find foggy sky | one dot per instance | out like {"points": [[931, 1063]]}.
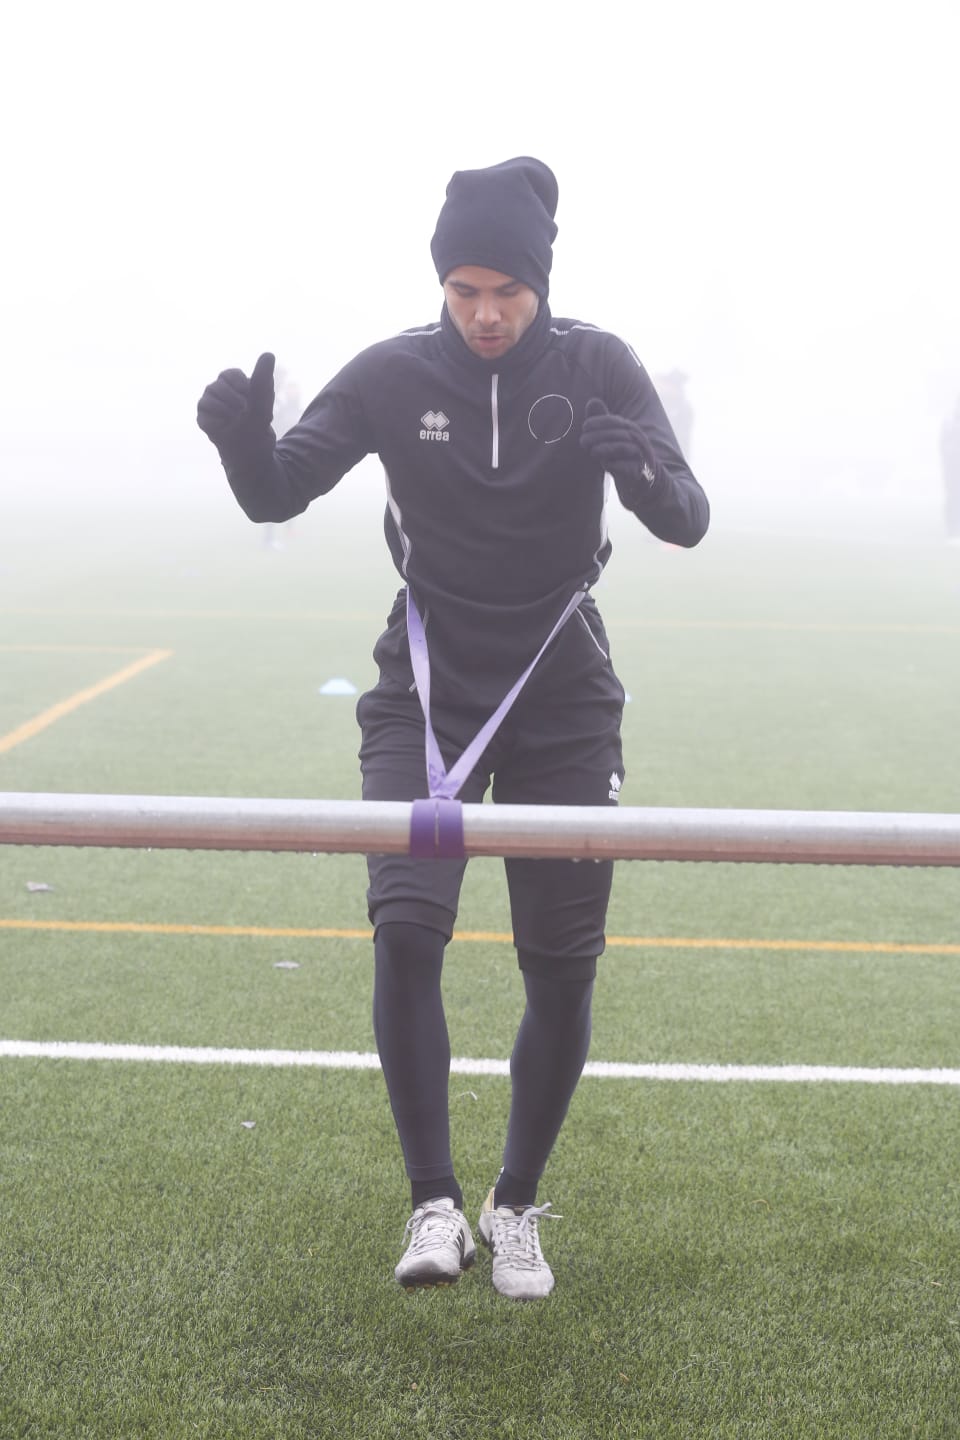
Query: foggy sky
{"points": [[763, 195]]}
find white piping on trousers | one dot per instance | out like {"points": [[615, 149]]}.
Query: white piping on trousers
{"points": [[583, 620]]}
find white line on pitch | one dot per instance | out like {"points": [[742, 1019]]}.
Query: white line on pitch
{"points": [[354, 1060]]}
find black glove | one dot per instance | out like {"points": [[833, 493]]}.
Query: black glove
{"points": [[622, 448], [235, 406]]}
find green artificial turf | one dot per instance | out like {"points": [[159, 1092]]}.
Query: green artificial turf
{"points": [[769, 1261], [773, 1260]]}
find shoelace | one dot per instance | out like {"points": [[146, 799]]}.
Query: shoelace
{"points": [[516, 1236], [425, 1224]]}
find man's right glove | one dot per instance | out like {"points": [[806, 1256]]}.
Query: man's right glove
{"points": [[234, 406]]}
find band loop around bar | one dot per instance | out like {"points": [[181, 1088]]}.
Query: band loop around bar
{"points": [[436, 830]]}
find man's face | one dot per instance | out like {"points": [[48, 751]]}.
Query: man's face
{"points": [[490, 309]]}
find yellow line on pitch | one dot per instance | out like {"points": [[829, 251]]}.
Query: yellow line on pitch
{"points": [[639, 942], [82, 697], [852, 627], [864, 947], [157, 614], [137, 927], [70, 649]]}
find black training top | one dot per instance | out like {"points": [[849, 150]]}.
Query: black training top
{"points": [[495, 513]]}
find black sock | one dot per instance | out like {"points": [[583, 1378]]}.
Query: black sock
{"points": [[423, 1190], [511, 1190], [414, 1049], [547, 1060]]}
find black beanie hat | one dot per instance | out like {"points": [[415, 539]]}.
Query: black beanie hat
{"points": [[501, 218]]}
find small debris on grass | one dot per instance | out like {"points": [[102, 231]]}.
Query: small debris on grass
{"points": [[286, 965], [36, 885], [248, 1124], [337, 685]]}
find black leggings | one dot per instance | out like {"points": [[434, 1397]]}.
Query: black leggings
{"points": [[414, 1047]]}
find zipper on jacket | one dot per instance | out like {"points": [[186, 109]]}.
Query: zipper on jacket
{"points": [[495, 455]]}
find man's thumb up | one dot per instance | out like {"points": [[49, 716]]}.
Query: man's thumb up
{"points": [[261, 395]]}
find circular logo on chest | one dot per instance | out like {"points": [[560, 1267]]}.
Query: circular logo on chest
{"points": [[550, 418]]}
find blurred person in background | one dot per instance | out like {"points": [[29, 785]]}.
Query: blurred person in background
{"points": [[950, 465], [286, 412], [499, 428], [672, 389]]}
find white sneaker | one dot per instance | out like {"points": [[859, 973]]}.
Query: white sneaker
{"points": [[519, 1269], [441, 1245]]}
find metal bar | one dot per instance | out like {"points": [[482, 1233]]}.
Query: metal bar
{"points": [[807, 837]]}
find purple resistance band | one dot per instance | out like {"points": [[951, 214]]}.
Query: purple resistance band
{"points": [[436, 825]]}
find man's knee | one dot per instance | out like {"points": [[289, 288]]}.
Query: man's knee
{"points": [[556, 968], [410, 913]]}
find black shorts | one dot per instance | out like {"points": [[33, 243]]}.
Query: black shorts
{"points": [[554, 748]]}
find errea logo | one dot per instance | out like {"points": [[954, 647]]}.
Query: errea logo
{"points": [[434, 424]]}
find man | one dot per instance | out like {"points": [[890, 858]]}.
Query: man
{"points": [[286, 413], [496, 427], [950, 465], [672, 389]]}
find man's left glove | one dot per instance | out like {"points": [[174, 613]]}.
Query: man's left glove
{"points": [[622, 448]]}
